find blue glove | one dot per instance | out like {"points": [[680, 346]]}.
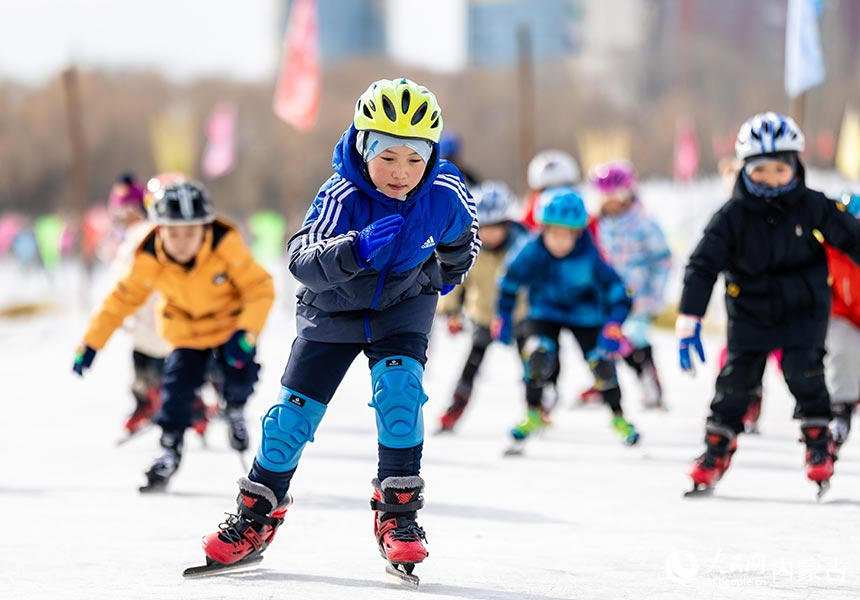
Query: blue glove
{"points": [[446, 289], [83, 359], [502, 329], [611, 343], [239, 349], [376, 236], [688, 330]]}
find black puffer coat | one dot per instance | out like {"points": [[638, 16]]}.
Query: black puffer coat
{"points": [[777, 282]]}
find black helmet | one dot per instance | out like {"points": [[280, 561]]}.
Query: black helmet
{"points": [[181, 203]]}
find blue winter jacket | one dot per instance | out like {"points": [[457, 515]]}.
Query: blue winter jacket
{"points": [[341, 301], [579, 290]]}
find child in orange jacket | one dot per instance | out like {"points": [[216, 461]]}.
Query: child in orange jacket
{"points": [[215, 299]]}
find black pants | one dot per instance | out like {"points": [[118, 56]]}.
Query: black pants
{"points": [[481, 340], [185, 370], [739, 379], [537, 376], [316, 369]]}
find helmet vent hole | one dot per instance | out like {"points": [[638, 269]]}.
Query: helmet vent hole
{"points": [[389, 110], [405, 100], [366, 111], [419, 114], [372, 104]]}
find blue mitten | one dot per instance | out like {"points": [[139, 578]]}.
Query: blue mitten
{"points": [[376, 236], [611, 343], [446, 289], [688, 330]]}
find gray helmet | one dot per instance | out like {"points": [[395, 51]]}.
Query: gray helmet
{"points": [[181, 203]]}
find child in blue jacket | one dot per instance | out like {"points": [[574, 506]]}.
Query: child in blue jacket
{"points": [[391, 229], [569, 287]]}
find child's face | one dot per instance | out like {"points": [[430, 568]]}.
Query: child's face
{"points": [[397, 171], [182, 242], [559, 241], [493, 236], [615, 204], [773, 173]]}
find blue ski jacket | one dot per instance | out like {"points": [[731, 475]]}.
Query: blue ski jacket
{"points": [[578, 290], [341, 301]]}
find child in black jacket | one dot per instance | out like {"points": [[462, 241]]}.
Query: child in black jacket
{"points": [[767, 240]]}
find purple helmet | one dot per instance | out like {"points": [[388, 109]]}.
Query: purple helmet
{"points": [[616, 177], [126, 193]]}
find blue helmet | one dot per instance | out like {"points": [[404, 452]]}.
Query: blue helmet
{"points": [[561, 206], [494, 203], [767, 133], [449, 144]]}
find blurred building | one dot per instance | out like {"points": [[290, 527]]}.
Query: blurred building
{"points": [[351, 28], [493, 25]]}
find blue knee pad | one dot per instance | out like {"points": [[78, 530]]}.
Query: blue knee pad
{"points": [[287, 428], [398, 396]]}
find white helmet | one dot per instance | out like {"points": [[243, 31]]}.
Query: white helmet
{"points": [[494, 203], [552, 168], [766, 133]]}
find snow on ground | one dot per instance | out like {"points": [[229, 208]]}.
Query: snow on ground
{"points": [[580, 516]]}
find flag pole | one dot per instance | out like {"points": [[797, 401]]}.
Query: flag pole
{"points": [[525, 89], [798, 109], [74, 123]]}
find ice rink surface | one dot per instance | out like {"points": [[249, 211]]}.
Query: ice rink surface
{"points": [[578, 516]]}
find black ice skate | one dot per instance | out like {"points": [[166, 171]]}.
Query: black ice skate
{"points": [[158, 475]]}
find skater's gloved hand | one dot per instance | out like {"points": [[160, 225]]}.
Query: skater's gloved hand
{"points": [[688, 330], [239, 349], [455, 324], [502, 329], [446, 289], [376, 236], [83, 359], [611, 343]]}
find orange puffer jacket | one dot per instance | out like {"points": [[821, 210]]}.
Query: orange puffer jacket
{"points": [[200, 307]]}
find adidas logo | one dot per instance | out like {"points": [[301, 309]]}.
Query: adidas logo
{"points": [[429, 243]]}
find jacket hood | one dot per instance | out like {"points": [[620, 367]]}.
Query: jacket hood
{"points": [[347, 163], [741, 194]]}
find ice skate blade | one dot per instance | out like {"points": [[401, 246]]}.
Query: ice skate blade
{"points": [[700, 491], [823, 486], [516, 448], [216, 568], [130, 435], [404, 574]]}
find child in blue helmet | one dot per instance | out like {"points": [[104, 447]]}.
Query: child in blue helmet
{"points": [[766, 240], [569, 287], [391, 229]]}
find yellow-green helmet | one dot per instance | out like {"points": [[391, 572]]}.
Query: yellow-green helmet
{"points": [[399, 107]]}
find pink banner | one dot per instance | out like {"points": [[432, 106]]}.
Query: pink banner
{"points": [[220, 154], [297, 96], [686, 152]]}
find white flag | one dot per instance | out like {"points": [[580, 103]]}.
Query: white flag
{"points": [[804, 63]]}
